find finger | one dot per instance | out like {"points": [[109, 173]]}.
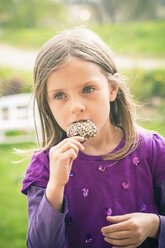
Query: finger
{"points": [[75, 140], [78, 138], [67, 146], [78, 144], [118, 242], [128, 246], [119, 223], [69, 156], [118, 218], [118, 235], [123, 226]]}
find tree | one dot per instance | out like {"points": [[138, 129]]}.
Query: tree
{"points": [[113, 8], [142, 10], [5, 11], [29, 13], [130, 10]]}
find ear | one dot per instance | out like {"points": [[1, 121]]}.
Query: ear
{"points": [[113, 87], [113, 90]]}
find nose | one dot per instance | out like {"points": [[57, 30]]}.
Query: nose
{"points": [[77, 107]]}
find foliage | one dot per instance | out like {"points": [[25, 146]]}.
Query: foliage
{"points": [[157, 126], [14, 81], [145, 85], [138, 9], [18, 133], [122, 10], [27, 38], [138, 39], [31, 13], [134, 38]]}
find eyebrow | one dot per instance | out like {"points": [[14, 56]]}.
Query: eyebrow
{"points": [[81, 85], [56, 90]]}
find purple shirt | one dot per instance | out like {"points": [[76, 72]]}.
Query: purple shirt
{"points": [[97, 188]]}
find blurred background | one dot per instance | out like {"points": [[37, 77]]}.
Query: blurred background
{"points": [[134, 30]]}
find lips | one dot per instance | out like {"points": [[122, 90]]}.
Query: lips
{"points": [[79, 121]]}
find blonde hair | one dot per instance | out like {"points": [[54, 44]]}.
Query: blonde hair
{"points": [[86, 45]]}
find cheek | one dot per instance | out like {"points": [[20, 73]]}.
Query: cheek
{"points": [[103, 110], [60, 117]]}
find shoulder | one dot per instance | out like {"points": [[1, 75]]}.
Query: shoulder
{"points": [[152, 150], [40, 157], [37, 172], [151, 141]]}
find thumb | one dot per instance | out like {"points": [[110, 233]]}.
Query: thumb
{"points": [[118, 218]]}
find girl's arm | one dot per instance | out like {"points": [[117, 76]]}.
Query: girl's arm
{"points": [[160, 199], [162, 232], [47, 207], [46, 225], [61, 158]]}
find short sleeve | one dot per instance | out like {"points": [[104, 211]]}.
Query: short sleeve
{"points": [[37, 172], [157, 159]]}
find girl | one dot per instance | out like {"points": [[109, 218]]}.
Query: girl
{"points": [[108, 191]]}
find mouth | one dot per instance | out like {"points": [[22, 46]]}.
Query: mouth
{"points": [[78, 121]]}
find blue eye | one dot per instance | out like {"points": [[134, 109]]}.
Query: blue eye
{"points": [[59, 95], [88, 89]]}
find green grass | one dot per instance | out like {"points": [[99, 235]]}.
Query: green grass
{"points": [[13, 207], [145, 84], [134, 38], [157, 126], [30, 38]]}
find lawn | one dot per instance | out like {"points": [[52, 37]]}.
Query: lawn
{"points": [[157, 126], [142, 39], [134, 38], [13, 207]]}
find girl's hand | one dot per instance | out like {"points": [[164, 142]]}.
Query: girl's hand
{"points": [[61, 158], [130, 230]]}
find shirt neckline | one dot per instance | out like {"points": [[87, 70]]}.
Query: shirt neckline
{"points": [[85, 156]]}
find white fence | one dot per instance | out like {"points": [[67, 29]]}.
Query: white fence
{"points": [[16, 113]]}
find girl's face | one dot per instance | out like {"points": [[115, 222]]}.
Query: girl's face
{"points": [[80, 91]]}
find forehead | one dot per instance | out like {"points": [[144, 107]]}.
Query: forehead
{"points": [[75, 70]]}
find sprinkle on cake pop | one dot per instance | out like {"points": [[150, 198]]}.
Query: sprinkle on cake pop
{"points": [[86, 129]]}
